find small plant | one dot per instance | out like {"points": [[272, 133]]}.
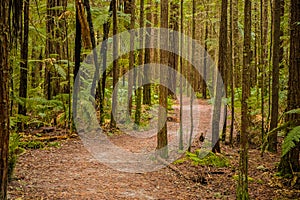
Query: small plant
{"points": [[293, 134], [14, 152], [32, 144], [53, 144]]}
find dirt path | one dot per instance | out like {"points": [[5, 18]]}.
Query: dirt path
{"points": [[70, 172]]}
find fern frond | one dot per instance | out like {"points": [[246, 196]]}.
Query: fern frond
{"points": [[60, 71], [291, 140], [274, 131], [294, 111]]}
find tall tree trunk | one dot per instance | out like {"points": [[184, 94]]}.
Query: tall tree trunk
{"points": [[4, 96], [162, 136], [173, 44], [141, 62], [263, 58], [192, 79], [131, 57], [232, 80], [181, 75], [93, 42], [272, 140], [77, 62], [242, 187], [148, 41], [290, 162], [204, 89], [103, 53], [222, 60], [236, 43], [24, 60], [115, 65], [50, 51]]}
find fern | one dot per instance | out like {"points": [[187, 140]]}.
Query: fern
{"points": [[291, 140], [295, 111]]}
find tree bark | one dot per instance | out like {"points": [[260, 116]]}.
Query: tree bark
{"points": [[4, 96], [221, 69], [131, 57], [290, 162], [181, 75], [115, 65], [272, 147], [173, 43], [141, 62], [24, 61], [147, 60], [162, 136], [263, 59], [242, 187]]}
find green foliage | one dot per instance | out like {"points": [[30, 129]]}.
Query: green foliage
{"points": [[14, 151], [32, 144], [291, 140], [295, 111], [292, 136], [210, 159], [53, 144]]}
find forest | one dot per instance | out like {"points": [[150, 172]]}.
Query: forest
{"points": [[149, 99]]}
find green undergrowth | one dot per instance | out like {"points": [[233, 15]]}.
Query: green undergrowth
{"points": [[200, 157], [33, 144], [15, 150]]}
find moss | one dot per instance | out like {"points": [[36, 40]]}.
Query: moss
{"points": [[208, 159], [32, 144]]}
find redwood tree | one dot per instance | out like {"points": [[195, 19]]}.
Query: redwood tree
{"points": [[290, 162], [275, 74], [4, 93], [242, 187], [24, 60]]}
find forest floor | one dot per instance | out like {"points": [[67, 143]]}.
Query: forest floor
{"points": [[69, 171]]}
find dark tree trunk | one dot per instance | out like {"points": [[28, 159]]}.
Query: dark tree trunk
{"points": [[290, 162], [223, 49], [115, 64], [4, 96], [77, 62], [263, 59], [103, 53], [192, 79], [138, 100], [204, 89], [242, 187], [95, 55], [272, 147], [50, 48], [131, 57], [221, 69], [24, 60], [148, 40], [174, 45]]}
